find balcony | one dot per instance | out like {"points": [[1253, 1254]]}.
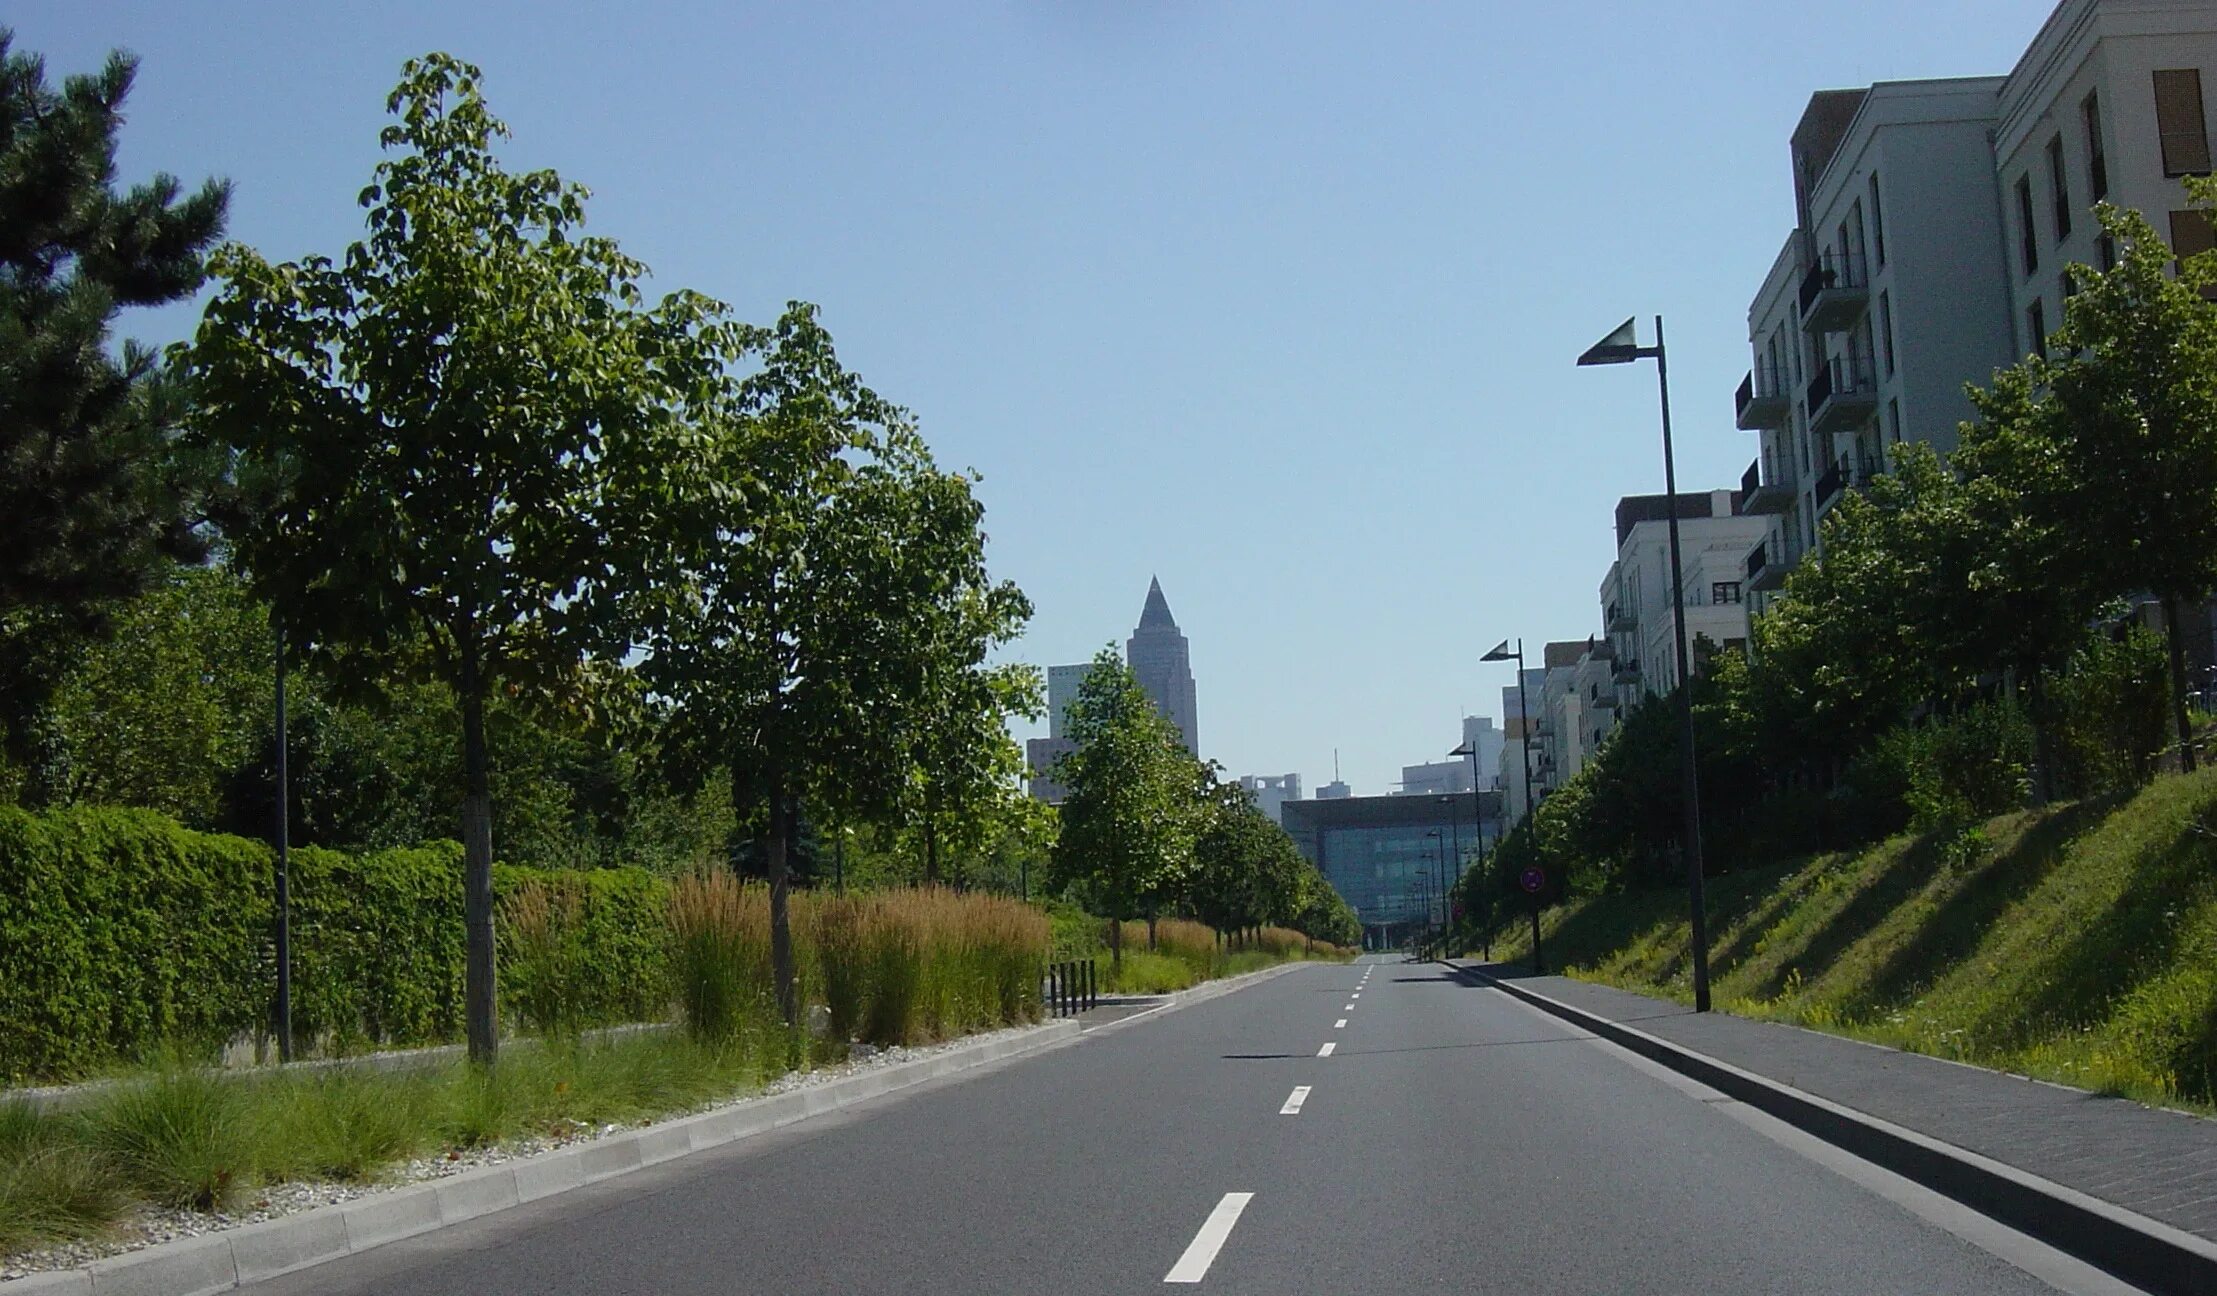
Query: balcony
{"points": [[1841, 398], [1829, 484], [1758, 497], [1627, 672], [1834, 294], [1762, 573], [1761, 401], [1620, 619]]}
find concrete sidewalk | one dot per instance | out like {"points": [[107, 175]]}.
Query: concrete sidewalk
{"points": [[2161, 1164]]}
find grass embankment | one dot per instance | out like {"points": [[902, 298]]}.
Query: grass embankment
{"points": [[1188, 953], [898, 967], [2076, 943]]}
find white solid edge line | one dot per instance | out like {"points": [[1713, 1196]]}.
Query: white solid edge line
{"points": [[1193, 1266], [1294, 1100], [1341, 1024], [1326, 1051]]}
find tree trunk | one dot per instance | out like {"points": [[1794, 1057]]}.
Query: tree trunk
{"points": [[2043, 739], [2177, 642], [931, 845], [782, 815], [1116, 944], [1150, 933], [478, 971]]}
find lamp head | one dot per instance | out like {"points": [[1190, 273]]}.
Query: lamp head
{"points": [[1500, 652], [1622, 346]]}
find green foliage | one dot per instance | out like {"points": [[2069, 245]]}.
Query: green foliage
{"points": [[2110, 706], [96, 496], [1961, 769], [181, 1138], [52, 1188], [1131, 814], [121, 933]]}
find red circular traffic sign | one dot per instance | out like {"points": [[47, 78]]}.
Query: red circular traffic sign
{"points": [[1532, 880]]}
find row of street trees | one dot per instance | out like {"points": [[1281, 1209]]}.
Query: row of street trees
{"points": [[469, 454], [1960, 644], [1148, 831]]}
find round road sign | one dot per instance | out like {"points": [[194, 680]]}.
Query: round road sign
{"points": [[1532, 880]]}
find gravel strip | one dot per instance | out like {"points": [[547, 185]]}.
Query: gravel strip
{"points": [[150, 1225]]}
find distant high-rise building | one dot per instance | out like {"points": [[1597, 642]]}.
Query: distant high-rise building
{"points": [[1272, 792], [1334, 791], [1158, 656], [1040, 754], [1063, 683]]}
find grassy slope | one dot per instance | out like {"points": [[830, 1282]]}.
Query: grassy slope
{"points": [[2077, 944]]}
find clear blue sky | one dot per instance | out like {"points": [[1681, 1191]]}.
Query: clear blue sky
{"points": [[1276, 301]]}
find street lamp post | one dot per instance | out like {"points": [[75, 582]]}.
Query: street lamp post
{"points": [[1622, 347], [1501, 652], [1469, 748]]}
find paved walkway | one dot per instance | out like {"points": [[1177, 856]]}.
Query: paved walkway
{"points": [[2162, 1164]]}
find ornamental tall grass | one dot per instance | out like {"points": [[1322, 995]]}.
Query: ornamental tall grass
{"points": [[720, 956], [891, 967]]}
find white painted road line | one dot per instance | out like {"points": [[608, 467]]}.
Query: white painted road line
{"points": [[1341, 1024], [1193, 1266], [1326, 1051], [1293, 1101], [1348, 1008]]}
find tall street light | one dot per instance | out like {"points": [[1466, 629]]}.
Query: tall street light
{"points": [[1622, 347], [1524, 711], [1469, 748]]}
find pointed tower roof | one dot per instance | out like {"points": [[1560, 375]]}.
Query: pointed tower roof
{"points": [[1156, 615]]}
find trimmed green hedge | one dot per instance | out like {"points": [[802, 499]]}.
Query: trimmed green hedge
{"points": [[122, 933]]}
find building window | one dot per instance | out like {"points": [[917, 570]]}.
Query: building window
{"points": [[2027, 239], [2036, 319], [2179, 122], [2190, 234], [2061, 184], [2097, 157], [1878, 224], [1886, 332], [1893, 421], [1724, 592], [2108, 253]]}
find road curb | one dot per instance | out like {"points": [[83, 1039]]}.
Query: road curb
{"points": [[2142, 1251], [230, 1258], [1204, 992]]}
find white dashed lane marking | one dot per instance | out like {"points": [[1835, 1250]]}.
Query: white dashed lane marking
{"points": [[1299, 1095], [1193, 1266]]}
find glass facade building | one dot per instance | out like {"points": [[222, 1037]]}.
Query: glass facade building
{"points": [[1391, 856]]}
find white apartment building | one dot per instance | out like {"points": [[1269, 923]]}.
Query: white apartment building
{"points": [[1561, 709], [1933, 219], [2105, 105], [1714, 541]]}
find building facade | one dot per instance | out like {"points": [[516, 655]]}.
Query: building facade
{"points": [[1395, 859], [1159, 657], [1933, 223], [1714, 540], [1063, 683], [1271, 792]]}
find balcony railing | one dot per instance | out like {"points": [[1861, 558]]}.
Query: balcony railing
{"points": [[1840, 397], [1627, 672], [1761, 401], [1828, 485], [1758, 497], [1757, 559], [1619, 618], [1833, 293]]}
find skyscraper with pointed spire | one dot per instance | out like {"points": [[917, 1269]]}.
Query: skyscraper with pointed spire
{"points": [[1157, 654]]}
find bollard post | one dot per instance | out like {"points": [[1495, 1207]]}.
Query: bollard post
{"points": [[1092, 985], [1061, 985]]}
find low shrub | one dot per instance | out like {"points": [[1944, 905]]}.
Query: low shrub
{"points": [[180, 1137], [52, 1188]]}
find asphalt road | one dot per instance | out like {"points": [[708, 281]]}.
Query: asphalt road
{"points": [[1452, 1140]]}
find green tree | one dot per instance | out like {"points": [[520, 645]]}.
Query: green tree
{"points": [[458, 432], [97, 496], [1128, 816], [797, 648], [2134, 376]]}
